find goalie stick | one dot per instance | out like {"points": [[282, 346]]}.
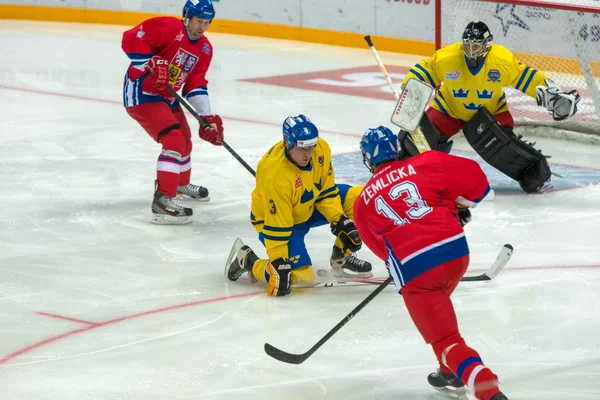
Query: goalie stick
{"points": [[416, 134], [202, 122], [290, 358]]}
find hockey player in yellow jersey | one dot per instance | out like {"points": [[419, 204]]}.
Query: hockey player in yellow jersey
{"points": [[470, 77], [295, 191]]}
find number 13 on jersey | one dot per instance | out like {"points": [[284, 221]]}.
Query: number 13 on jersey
{"points": [[416, 207]]}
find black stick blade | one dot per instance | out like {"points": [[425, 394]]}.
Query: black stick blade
{"points": [[283, 356]]}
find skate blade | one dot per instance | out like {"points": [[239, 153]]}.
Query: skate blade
{"points": [[162, 219], [341, 273], [198, 199], [237, 246], [454, 393]]}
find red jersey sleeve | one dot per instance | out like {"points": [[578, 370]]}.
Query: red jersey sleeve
{"points": [[466, 181], [141, 42]]}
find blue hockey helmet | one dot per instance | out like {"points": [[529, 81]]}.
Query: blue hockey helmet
{"points": [[299, 131], [199, 8], [379, 145]]}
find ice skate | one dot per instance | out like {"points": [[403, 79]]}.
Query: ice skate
{"points": [[240, 260], [166, 212], [194, 192], [448, 384], [340, 263]]}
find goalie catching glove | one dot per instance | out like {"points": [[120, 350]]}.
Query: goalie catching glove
{"points": [[559, 103], [280, 277], [346, 231]]}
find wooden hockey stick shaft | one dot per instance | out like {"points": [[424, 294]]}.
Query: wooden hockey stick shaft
{"points": [[202, 122]]}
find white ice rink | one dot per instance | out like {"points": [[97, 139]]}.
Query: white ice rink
{"points": [[98, 304]]}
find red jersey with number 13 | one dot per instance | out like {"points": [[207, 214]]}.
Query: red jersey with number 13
{"points": [[406, 214]]}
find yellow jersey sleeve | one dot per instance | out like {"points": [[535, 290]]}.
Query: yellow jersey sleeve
{"points": [[425, 71], [522, 77], [329, 202], [279, 220]]}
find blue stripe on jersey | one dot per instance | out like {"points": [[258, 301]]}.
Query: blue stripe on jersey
{"points": [[277, 238], [279, 228], [258, 222], [418, 263], [479, 199], [465, 364], [529, 80], [501, 106], [412, 70], [199, 91], [431, 81], [326, 191], [439, 104], [320, 199], [139, 56], [525, 71]]}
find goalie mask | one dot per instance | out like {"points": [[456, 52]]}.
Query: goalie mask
{"points": [[379, 145], [476, 43]]}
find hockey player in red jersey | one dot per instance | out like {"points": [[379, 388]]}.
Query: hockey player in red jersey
{"points": [[411, 214], [167, 51]]}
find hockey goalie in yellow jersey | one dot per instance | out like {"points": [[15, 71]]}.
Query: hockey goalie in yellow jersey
{"points": [[296, 191], [470, 77]]}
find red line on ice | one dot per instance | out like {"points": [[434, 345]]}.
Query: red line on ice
{"points": [[69, 334]]}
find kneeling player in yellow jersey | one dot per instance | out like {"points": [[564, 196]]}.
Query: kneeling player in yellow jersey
{"points": [[295, 191], [470, 77]]}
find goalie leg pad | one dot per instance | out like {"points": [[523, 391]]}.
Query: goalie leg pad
{"points": [[500, 148]]}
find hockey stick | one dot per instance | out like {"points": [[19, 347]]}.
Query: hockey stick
{"points": [[417, 135], [300, 358], [290, 358], [202, 122], [501, 260]]}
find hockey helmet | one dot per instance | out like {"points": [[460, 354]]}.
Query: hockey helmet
{"points": [[299, 131], [379, 145], [199, 8], [476, 42]]}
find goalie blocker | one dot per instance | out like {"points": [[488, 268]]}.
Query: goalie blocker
{"points": [[500, 148]]}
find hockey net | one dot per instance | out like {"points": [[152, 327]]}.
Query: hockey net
{"points": [[559, 38]]}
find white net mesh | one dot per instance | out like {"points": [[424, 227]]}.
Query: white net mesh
{"points": [[560, 38]]}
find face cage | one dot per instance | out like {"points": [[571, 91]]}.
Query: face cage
{"points": [[474, 48]]}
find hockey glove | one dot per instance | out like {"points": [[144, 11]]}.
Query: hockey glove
{"points": [[346, 231], [280, 276], [560, 104], [464, 215], [213, 133], [158, 78]]}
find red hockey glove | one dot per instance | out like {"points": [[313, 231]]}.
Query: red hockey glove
{"points": [[213, 133], [159, 73]]}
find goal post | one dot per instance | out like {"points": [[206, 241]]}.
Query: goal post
{"points": [[558, 37]]}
